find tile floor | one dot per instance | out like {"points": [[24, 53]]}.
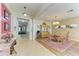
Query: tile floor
{"points": [[26, 47]]}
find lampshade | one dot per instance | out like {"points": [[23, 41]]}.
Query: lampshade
{"points": [[56, 23], [25, 14]]}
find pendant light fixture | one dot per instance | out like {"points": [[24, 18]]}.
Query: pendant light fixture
{"points": [[24, 13], [71, 10]]}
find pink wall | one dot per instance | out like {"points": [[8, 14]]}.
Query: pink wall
{"points": [[3, 20]]}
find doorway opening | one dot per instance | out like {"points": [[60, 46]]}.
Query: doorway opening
{"points": [[23, 30]]}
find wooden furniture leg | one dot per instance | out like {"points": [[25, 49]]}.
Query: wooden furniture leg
{"points": [[12, 47]]}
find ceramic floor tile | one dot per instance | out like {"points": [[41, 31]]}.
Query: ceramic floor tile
{"points": [[26, 47]]}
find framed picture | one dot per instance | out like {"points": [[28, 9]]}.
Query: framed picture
{"points": [[6, 14], [6, 26]]}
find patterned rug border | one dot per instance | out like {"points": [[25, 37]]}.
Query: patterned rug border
{"points": [[56, 52]]}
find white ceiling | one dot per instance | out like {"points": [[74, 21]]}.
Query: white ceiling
{"points": [[60, 10], [31, 10], [47, 11]]}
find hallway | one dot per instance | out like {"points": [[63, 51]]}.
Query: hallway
{"points": [[55, 24], [27, 47]]}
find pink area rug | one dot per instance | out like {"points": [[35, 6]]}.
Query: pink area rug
{"points": [[61, 47]]}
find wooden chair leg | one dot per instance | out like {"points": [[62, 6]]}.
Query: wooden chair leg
{"points": [[12, 50], [15, 51]]}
